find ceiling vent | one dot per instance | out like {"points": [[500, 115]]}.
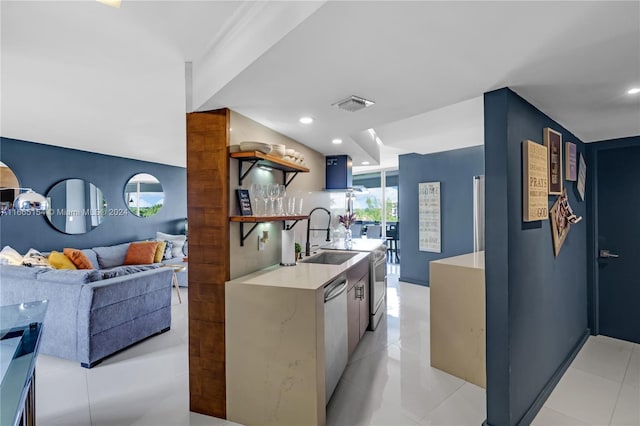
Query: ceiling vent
{"points": [[353, 103]]}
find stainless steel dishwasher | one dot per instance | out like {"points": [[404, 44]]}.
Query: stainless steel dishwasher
{"points": [[336, 343]]}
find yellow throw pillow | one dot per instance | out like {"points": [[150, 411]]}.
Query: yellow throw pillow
{"points": [[60, 261], [159, 252]]}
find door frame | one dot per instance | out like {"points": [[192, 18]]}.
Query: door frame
{"points": [[591, 195]]}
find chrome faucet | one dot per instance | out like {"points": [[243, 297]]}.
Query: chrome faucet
{"points": [[307, 250]]}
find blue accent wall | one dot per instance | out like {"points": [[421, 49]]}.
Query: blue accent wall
{"points": [[40, 166], [536, 303], [454, 170]]}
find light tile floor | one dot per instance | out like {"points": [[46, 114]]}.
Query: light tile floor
{"points": [[388, 380]]}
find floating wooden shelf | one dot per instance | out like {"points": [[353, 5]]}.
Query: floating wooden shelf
{"points": [[259, 158], [261, 219]]}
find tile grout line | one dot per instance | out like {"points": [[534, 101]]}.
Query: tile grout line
{"points": [[86, 382], [626, 371]]}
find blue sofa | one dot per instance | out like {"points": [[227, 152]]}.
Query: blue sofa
{"points": [[92, 315]]}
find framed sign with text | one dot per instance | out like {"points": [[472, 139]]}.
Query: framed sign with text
{"points": [[571, 164], [244, 202], [553, 142], [429, 217], [535, 185]]}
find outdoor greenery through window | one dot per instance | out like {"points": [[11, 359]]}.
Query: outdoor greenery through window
{"points": [[368, 203]]}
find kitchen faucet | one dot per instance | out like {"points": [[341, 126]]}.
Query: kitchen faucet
{"points": [[307, 250]]}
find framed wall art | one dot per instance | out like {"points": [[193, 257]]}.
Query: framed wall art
{"points": [[559, 222], [553, 142], [535, 182], [571, 163], [582, 177], [429, 217]]}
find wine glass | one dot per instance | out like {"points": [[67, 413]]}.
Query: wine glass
{"points": [[282, 192], [273, 191], [256, 194]]}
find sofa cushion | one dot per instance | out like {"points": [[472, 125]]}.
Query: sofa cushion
{"points": [[120, 271], [141, 253], [82, 276], [111, 256], [162, 245], [9, 256], [60, 261], [19, 272], [93, 258], [176, 240], [167, 250], [79, 259]]}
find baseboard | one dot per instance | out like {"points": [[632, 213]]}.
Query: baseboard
{"points": [[413, 281], [533, 410]]}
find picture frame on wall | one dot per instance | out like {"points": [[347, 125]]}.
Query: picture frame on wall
{"points": [[535, 182], [553, 142], [244, 202], [558, 215], [571, 163], [582, 177]]}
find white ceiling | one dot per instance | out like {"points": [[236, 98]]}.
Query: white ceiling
{"points": [[112, 80]]}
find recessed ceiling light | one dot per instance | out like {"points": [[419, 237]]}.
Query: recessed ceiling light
{"points": [[306, 120], [365, 163], [337, 141], [112, 3], [634, 91]]}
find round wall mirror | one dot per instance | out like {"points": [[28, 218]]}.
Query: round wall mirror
{"points": [[144, 195], [76, 206], [9, 181]]}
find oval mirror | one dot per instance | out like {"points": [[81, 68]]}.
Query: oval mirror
{"points": [[76, 206], [144, 195], [9, 188]]}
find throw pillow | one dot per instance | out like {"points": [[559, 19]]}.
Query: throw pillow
{"points": [[9, 256], [60, 261], [78, 258], [167, 250], [35, 258], [111, 256], [176, 240], [141, 253], [159, 252]]}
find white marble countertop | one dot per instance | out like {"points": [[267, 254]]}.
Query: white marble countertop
{"points": [[470, 260], [359, 244], [304, 276]]}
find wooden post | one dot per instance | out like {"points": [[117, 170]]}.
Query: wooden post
{"points": [[208, 215]]}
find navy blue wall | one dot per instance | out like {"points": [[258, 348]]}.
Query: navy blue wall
{"points": [[536, 302], [454, 170], [631, 203], [41, 166]]}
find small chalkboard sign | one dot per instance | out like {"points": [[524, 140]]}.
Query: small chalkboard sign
{"points": [[244, 202]]}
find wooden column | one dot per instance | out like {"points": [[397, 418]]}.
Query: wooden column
{"points": [[208, 214]]}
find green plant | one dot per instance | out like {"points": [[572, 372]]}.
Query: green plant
{"points": [[298, 248]]}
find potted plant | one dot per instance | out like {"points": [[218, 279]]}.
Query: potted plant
{"points": [[298, 251]]}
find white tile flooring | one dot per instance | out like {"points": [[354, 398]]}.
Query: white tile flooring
{"points": [[387, 382]]}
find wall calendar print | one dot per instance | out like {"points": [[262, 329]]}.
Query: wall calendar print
{"points": [[553, 142], [429, 217]]}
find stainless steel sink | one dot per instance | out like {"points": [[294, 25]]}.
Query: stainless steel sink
{"points": [[329, 258]]}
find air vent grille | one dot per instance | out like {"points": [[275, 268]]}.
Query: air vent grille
{"points": [[353, 103]]}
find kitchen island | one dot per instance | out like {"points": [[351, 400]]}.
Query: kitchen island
{"points": [[457, 306], [275, 343]]}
